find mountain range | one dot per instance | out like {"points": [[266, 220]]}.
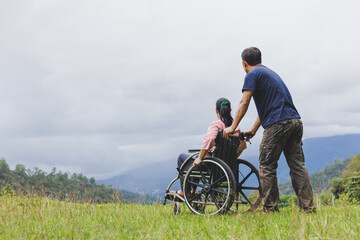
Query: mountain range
{"points": [[153, 179]]}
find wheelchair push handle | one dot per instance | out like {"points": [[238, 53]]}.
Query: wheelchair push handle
{"points": [[243, 136], [246, 137]]}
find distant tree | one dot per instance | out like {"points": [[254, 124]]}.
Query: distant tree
{"points": [[349, 183], [352, 187], [352, 167], [55, 184], [20, 169], [337, 187], [4, 167], [60, 186], [4, 172], [92, 181]]}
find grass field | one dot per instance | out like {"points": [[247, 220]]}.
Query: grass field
{"points": [[40, 218]]}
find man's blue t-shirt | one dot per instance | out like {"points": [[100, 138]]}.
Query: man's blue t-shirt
{"points": [[272, 98]]}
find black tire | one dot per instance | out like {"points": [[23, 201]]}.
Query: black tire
{"points": [[248, 184], [214, 185]]}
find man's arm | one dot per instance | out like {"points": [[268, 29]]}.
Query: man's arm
{"points": [[254, 128], [242, 108]]}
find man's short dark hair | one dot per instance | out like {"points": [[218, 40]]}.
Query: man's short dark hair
{"points": [[252, 56]]}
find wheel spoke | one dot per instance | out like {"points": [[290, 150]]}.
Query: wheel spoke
{"points": [[214, 199], [245, 178], [219, 191], [218, 180], [246, 198], [249, 188], [241, 173], [202, 175], [206, 198], [196, 184], [211, 173], [195, 196]]}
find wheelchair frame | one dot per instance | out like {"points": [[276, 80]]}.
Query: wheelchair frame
{"points": [[221, 186]]}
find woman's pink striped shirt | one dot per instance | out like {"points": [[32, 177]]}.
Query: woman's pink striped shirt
{"points": [[212, 132]]}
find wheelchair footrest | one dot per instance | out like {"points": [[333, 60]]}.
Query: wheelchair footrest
{"points": [[174, 197]]}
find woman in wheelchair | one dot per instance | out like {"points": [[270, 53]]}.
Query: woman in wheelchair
{"points": [[223, 113]]}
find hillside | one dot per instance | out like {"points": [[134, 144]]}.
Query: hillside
{"points": [[320, 180], [61, 186], [318, 152], [321, 151]]}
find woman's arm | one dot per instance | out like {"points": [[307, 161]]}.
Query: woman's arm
{"points": [[201, 156], [210, 136]]}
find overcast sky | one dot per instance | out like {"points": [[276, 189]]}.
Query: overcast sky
{"points": [[101, 87]]}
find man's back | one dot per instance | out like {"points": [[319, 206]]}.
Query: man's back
{"points": [[272, 97], [283, 131]]}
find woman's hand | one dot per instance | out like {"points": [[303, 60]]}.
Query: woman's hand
{"points": [[197, 162]]}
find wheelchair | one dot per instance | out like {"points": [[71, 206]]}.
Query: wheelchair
{"points": [[219, 182]]}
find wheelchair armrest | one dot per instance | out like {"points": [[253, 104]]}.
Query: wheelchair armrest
{"points": [[194, 150], [210, 153]]}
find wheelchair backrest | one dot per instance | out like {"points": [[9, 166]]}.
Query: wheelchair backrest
{"points": [[226, 149]]}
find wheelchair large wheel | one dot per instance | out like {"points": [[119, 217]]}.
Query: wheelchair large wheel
{"points": [[210, 187], [248, 185]]}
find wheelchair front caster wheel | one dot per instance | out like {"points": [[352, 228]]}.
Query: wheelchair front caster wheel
{"points": [[176, 208]]}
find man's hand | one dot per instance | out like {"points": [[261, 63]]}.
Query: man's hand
{"points": [[249, 134], [197, 162], [228, 131]]}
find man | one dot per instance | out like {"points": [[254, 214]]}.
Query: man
{"points": [[283, 131]]}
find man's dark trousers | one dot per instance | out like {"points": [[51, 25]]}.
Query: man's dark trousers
{"points": [[284, 136]]}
